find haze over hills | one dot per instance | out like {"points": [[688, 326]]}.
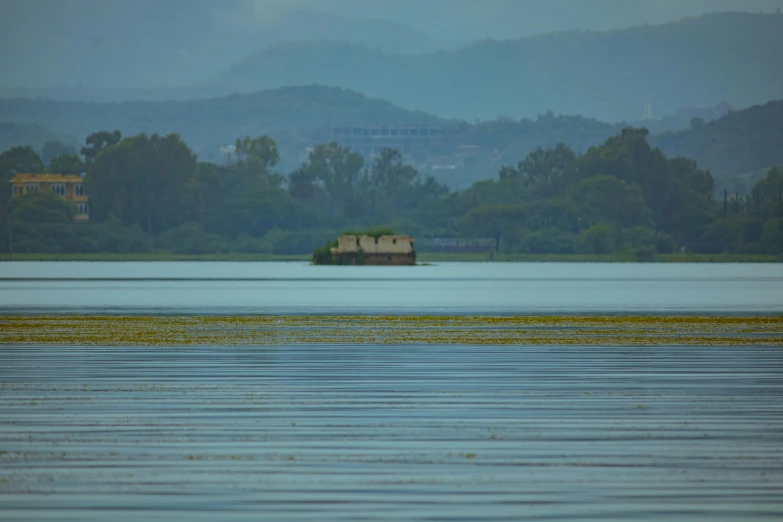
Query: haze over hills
{"points": [[35, 136], [610, 76], [296, 118], [469, 20], [607, 75], [100, 45], [152, 44]]}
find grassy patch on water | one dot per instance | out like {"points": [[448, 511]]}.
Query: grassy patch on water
{"points": [[288, 330]]}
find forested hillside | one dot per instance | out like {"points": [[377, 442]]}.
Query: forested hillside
{"points": [[605, 75], [151, 193], [738, 149]]}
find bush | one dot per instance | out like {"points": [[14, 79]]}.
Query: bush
{"points": [[77, 238], [598, 239], [639, 237], [664, 244], [188, 239], [644, 254], [549, 241], [251, 245], [771, 236], [112, 236]]}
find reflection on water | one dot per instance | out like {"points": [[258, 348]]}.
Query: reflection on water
{"points": [[391, 433], [449, 288]]}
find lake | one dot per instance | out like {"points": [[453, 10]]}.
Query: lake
{"points": [[447, 288], [364, 431]]}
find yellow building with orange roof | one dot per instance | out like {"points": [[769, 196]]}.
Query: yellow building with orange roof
{"points": [[69, 186]]}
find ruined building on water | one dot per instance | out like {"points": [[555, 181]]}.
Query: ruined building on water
{"points": [[368, 250]]}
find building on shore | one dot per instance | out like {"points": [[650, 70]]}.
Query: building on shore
{"points": [[366, 139], [70, 187], [369, 250]]}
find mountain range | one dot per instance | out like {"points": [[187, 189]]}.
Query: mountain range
{"points": [[606, 75], [609, 75]]}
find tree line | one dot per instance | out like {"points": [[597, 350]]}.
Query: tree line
{"points": [[151, 193]]}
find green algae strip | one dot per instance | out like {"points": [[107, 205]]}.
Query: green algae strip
{"points": [[284, 330]]}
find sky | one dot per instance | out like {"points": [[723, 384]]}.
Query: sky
{"points": [[503, 19]]}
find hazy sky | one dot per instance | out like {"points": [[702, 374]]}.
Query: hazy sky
{"points": [[471, 19]]}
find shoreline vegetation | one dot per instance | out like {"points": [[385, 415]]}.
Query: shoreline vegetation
{"points": [[621, 201], [423, 258], [287, 330]]}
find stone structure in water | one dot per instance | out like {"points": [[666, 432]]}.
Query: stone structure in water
{"points": [[352, 249]]}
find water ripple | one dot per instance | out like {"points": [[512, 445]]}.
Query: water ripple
{"points": [[391, 432]]}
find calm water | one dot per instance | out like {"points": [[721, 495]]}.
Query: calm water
{"points": [[475, 288], [366, 432]]}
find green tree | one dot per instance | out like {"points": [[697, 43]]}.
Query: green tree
{"points": [[541, 166], [17, 160], [42, 207], [560, 213], [493, 221], [30, 220], [688, 172], [67, 164], [97, 141], [336, 170], [142, 179], [390, 182], [769, 191], [613, 200], [257, 156]]}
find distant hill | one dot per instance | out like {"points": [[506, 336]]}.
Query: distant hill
{"points": [[295, 117], [737, 149], [299, 117], [606, 75], [35, 136]]}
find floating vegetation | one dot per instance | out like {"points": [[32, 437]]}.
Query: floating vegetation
{"points": [[284, 330]]}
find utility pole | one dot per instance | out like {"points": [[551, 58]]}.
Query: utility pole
{"points": [[725, 202]]}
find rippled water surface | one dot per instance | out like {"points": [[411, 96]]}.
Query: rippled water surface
{"points": [[475, 288], [392, 433], [343, 431]]}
